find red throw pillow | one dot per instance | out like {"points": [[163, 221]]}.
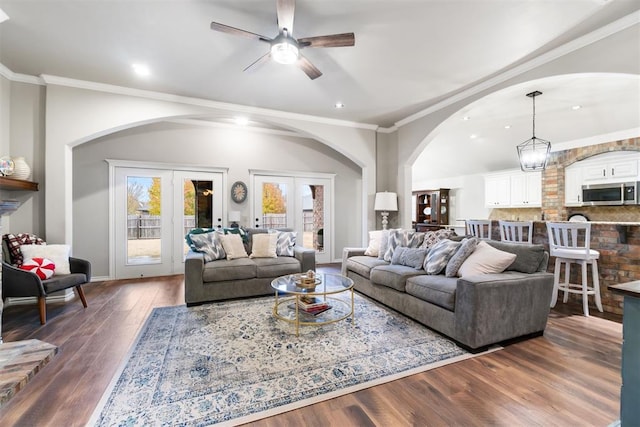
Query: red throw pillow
{"points": [[42, 267]]}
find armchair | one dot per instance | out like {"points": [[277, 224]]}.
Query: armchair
{"points": [[21, 283]]}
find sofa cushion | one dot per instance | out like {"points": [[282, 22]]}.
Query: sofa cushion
{"points": [[485, 260], [528, 257], [58, 283], [439, 290], [439, 255], [363, 265], [276, 267], [411, 257], [223, 270], [393, 276]]}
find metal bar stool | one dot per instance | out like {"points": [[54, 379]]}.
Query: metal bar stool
{"points": [[480, 228], [516, 231], [569, 243]]}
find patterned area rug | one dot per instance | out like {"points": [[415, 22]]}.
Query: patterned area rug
{"points": [[232, 362]]}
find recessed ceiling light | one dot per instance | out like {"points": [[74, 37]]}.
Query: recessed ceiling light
{"points": [[141, 70], [473, 136], [465, 118], [507, 126], [3, 16], [241, 121], [576, 107], [338, 105]]}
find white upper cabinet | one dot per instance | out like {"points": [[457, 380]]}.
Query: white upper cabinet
{"points": [[526, 189], [573, 185], [497, 190], [611, 170]]}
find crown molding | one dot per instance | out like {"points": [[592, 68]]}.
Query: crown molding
{"points": [[236, 108], [391, 129], [586, 40], [21, 78]]}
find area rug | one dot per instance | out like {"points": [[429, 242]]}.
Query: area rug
{"points": [[232, 362]]}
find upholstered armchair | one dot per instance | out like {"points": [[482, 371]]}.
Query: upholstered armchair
{"points": [[17, 282]]}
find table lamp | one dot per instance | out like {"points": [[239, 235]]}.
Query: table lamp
{"points": [[234, 217], [384, 203]]}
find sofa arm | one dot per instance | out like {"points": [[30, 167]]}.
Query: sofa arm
{"points": [[346, 254], [307, 258], [491, 308], [20, 283], [77, 265], [193, 282]]}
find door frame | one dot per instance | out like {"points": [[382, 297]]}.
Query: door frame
{"points": [[330, 201], [134, 164]]}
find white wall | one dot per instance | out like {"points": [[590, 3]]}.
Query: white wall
{"points": [[236, 149]]}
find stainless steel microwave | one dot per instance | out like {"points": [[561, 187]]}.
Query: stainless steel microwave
{"points": [[625, 193]]}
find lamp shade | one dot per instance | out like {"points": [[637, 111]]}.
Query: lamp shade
{"points": [[386, 201], [234, 216]]}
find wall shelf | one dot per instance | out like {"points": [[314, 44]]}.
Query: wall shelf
{"points": [[17, 184]]}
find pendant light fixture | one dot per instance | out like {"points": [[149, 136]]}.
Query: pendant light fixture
{"points": [[534, 153]]}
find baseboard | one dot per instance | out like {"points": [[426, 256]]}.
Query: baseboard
{"points": [[62, 296]]}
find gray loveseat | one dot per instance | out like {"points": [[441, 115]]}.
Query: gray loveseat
{"points": [[242, 277], [475, 311]]}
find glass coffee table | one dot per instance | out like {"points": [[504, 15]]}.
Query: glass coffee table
{"points": [[330, 301]]}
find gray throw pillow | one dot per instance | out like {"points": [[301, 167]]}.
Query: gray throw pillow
{"points": [[410, 257], [433, 237], [384, 243], [466, 248], [439, 255], [210, 244], [286, 242], [402, 238]]}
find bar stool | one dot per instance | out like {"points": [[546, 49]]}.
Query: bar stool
{"points": [[516, 231], [480, 228], [569, 243]]}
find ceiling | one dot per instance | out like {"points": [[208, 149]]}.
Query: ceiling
{"points": [[408, 55]]}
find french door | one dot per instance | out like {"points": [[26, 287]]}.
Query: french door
{"points": [[299, 202], [153, 209]]}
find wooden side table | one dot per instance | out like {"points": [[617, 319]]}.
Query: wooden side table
{"points": [[630, 392]]}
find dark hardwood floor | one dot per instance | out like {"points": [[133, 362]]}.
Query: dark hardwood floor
{"points": [[568, 377]]}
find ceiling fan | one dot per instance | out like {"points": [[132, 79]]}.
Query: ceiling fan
{"points": [[284, 48]]}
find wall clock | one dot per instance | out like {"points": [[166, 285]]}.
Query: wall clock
{"points": [[239, 192]]}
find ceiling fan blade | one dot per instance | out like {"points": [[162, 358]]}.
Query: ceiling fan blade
{"points": [[258, 62], [285, 10], [334, 40], [238, 32], [309, 69]]}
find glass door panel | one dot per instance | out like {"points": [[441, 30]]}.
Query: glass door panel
{"points": [[273, 202]]}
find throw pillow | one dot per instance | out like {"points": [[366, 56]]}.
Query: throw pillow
{"points": [[402, 238], [484, 260], [41, 267], [58, 254], [410, 257], [374, 243], [384, 243], [264, 246], [439, 255], [286, 242], [210, 244], [232, 244], [466, 249], [14, 241], [195, 231], [433, 237]]}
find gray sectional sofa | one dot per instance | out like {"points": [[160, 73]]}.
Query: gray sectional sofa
{"points": [[242, 277], [475, 311]]}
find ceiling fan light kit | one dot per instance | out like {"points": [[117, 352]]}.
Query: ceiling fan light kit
{"points": [[284, 48], [534, 152]]}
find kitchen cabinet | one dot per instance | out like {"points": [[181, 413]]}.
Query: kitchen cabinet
{"points": [[497, 190], [573, 185], [432, 208], [526, 189], [612, 170]]}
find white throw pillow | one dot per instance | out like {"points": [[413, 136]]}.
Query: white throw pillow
{"points": [[486, 259], [58, 254], [233, 247], [374, 243], [264, 245]]}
